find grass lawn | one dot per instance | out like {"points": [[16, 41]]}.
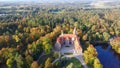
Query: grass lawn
{"points": [[65, 62], [68, 53]]}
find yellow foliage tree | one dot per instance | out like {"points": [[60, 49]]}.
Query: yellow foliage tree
{"points": [[85, 37], [48, 63], [34, 64]]}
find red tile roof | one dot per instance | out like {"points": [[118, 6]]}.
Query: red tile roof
{"points": [[70, 36]]}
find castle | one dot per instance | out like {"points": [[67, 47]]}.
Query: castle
{"points": [[67, 40]]}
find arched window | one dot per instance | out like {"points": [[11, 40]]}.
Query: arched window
{"points": [[67, 41]]}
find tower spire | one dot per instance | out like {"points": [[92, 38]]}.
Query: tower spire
{"points": [[62, 32], [75, 31]]}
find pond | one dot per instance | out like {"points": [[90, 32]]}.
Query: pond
{"points": [[107, 56]]}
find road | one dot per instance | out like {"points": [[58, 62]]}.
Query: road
{"points": [[78, 56]]}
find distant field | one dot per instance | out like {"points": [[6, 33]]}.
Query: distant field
{"points": [[5, 7]]}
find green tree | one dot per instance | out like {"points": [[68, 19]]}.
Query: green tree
{"points": [[19, 60], [17, 39], [11, 63], [29, 60], [70, 65], [47, 46], [48, 63], [56, 54], [106, 36]]}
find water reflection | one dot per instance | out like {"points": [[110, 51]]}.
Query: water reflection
{"points": [[108, 57]]}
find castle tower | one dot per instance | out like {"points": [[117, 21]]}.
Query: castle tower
{"points": [[62, 32], [75, 31]]}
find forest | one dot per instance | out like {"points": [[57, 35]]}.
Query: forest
{"points": [[27, 32]]}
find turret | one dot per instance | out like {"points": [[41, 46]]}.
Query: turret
{"points": [[75, 31], [62, 32]]}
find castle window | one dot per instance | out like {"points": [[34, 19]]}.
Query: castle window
{"points": [[63, 42], [70, 42]]}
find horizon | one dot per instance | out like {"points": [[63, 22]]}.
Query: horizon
{"points": [[61, 1], [93, 3]]}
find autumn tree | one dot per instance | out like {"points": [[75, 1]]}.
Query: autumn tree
{"points": [[15, 60], [90, 56], [97, 64], [47, 46], [106, 36], [11, 63], [19, 60], [48, 63], [85, 37], [35, 65], [29, 60]]}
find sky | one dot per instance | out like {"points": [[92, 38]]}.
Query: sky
{"points": [[63, 1]]}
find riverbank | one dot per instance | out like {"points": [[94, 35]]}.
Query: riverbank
{"points": [[90, 57], [99, 43], [107, 56], [115, 43]]}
